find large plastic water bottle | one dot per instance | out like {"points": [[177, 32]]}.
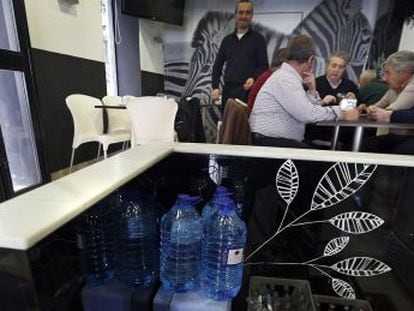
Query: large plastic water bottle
{"points": [[237, 187], [137, 242], [95, 234], [222, 252], [156, 206], [181, 232], [211, 207]]}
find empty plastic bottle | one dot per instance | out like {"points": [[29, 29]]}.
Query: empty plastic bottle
{"points": [[137, 242], [181, 232], [95, 234], [222, 252]]}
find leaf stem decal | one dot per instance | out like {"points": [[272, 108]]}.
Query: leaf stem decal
{"points": [[338, 183], [356, 222], [361, 266]]}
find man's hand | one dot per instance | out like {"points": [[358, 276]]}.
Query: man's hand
{"points": [[215, 94], [379, 114], [350, 95], [350, 114], [329, 100], [362, 108], [309, 81], [248, 84]]}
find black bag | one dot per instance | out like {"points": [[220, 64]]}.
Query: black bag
{"points": [[188, 122]]}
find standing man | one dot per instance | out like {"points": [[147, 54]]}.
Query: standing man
{"points": [[245, 55]]}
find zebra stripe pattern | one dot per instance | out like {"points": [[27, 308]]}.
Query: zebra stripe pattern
{"points": [[339, 25]]}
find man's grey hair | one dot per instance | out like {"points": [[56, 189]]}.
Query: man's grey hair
{"points": [[401, 60], [339, 54]]}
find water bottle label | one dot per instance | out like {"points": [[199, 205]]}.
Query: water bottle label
{"points": [[232, 256]]}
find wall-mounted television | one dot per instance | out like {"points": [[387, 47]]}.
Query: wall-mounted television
{"points": [[168, 11]]}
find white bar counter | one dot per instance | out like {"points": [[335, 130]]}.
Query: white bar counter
{"points": [[28, 218]]}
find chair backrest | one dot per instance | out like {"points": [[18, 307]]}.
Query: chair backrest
{"points": [[152, 119], [87, 120], [235, 128], [118, 119]]}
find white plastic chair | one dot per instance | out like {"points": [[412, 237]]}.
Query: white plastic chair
{"points": [[118, 119], [152, 119], [88, 124]]}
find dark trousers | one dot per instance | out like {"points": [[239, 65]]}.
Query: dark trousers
{"points": [[261, 140], [390, 143], [233, 90]]}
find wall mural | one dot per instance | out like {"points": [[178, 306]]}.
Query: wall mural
{"points": [[333, 24]]}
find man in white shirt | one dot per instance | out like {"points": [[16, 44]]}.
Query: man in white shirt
{"points": [[283, 107]]}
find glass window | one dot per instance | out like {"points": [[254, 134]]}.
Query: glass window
{"points": [[16, 127], [108, 28], [8, 32]]}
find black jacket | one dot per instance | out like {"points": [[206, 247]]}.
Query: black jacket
{"points": [[245, 58]]}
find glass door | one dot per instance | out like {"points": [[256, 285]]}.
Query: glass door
{"points": [[19, 157]]}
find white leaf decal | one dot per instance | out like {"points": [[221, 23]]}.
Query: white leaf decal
{"points": [[287, 181], [356, 222], [343, 289], [335, 246], [339, 182], [361, 266]]}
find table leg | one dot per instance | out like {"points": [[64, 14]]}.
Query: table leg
{"points": [[356, 144], [335, 136]]}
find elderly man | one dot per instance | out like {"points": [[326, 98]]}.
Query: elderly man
{"points": [[333, 84], [371, 89], [399, 76], [245, 55], [332, 87], [283, 107]]}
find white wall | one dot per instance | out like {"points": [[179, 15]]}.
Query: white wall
{"points": [[407, 38], [75, 30], [150, 45]]}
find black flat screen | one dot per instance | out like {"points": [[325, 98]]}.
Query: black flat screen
{"points": [[168, 11]]}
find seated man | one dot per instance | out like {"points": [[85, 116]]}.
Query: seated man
{"points": [[283, 107], [399, 76], [278, 58], [332, 87], [371, 89], [402, 142], [333, 82]]}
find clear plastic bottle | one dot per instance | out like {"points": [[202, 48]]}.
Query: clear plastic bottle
{"points": [[95, 234], [137, 242], [181, 232], [156, 206], [222, 252], [211, 207]]}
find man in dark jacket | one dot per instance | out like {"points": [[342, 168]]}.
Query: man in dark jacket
{"points": [[245, 54], [392, 143]]}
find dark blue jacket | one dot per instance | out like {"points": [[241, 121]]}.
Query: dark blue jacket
{"points": [[403, 116]]}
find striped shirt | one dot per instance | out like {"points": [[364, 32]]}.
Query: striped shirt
{"points": [[283, 108]]}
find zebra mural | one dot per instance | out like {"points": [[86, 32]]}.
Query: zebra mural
{"points": [[333, 24], [339, 25]]}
